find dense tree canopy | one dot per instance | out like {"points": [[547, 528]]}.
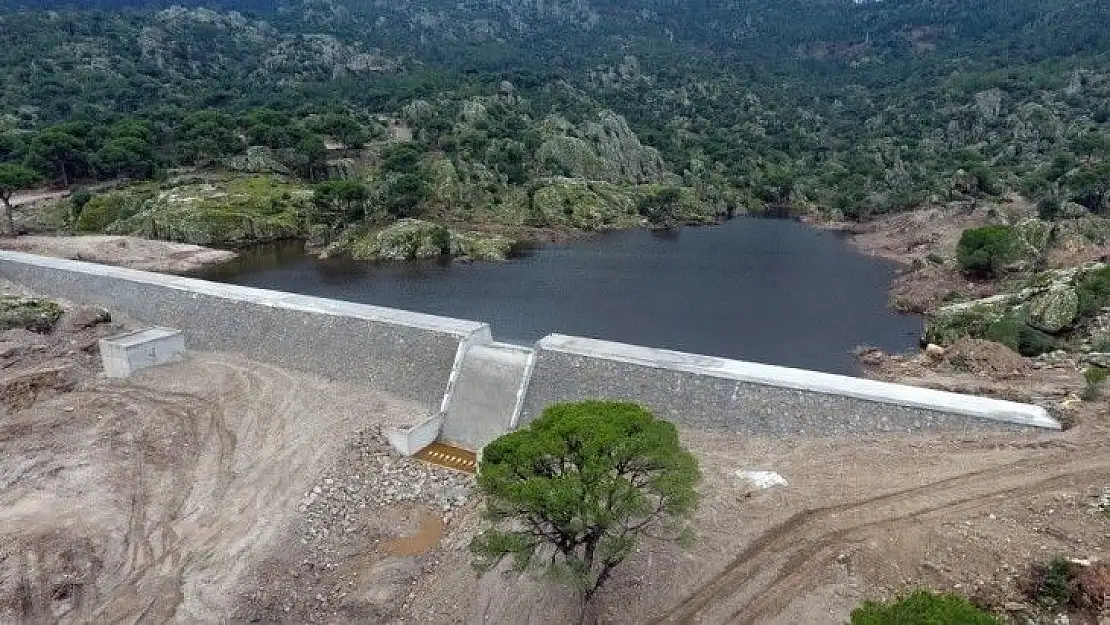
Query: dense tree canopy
{"points": [[584, 481]]}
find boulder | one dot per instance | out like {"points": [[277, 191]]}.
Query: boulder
{"points": [[1054, 309]]}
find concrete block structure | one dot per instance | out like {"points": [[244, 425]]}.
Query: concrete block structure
{"points": [[410, 440], [128, 353]]}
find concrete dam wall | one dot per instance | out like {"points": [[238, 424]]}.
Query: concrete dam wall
{"points": [[476, 389]]}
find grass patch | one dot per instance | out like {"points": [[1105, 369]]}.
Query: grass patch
{"points": [[1094, 376], [923, 608]]}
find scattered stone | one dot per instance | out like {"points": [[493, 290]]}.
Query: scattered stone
{"points": [[934, 351], [762, 480]]}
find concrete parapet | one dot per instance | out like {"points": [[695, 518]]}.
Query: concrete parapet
{"points": [[125, 354], [410, 440], [409, 354], [754, 398]]}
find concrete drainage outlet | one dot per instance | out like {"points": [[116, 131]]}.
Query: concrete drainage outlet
{"points": [[449, 457]]}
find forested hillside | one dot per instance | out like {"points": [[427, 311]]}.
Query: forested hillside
{"points": [[575, 114]]}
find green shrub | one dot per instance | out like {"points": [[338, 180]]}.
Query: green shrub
{"points": [[1019, 336], [1048, 208], [98, 213], [1094, 377], [922, 608], [1094, 292], [1053, 584], [982, 252]]}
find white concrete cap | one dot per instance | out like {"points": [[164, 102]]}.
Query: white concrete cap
{"points": [[800, 379]]}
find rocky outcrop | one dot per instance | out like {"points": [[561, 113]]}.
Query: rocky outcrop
{"points": [[259, 159], [414, 239], [1054, 309], [605, 149], [225, 211], [1050, 304]]}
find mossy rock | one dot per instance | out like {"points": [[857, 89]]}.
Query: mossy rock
{"points": [[586, 206], [572, 157], [443, 180], [414, 239], [27, 313], [1035, 234], [480, 246], [949, 323]]}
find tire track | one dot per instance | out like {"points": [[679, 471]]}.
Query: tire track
{"points": [[793, 549]]}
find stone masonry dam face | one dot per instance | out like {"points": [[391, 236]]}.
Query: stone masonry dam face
{"points": [[475, 389]]}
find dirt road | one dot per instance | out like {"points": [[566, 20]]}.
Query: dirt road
{"points": [[150, 501], [860, 519]]}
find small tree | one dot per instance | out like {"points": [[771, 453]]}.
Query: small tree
{"points": [[338, 201], [13, 178], [575, 489], [982, 252]]}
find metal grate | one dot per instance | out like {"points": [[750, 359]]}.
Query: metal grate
{"points": [[450, 457]]}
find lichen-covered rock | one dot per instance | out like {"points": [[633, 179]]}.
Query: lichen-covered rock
{"points": [[626, 159], [259, 159], [1054, 310], [571, 157], [1035, 235], [415, 239], [28, 313], [480, 246], [603, 150], [583, 205]]}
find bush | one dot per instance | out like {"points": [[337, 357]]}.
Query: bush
{"points": [[1052, 584], [1094, 292], [99, 212], [1048, 208], [983, 252], [1094, 376], [922, 608], [1019, 336]]}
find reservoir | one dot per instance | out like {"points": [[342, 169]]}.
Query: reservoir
{"points": [[763, 290]]}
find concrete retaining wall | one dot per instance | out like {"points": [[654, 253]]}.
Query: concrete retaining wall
{"points": [[423, 358], [408, 441], [752, 398], [406, 353]]}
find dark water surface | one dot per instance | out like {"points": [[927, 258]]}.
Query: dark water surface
{"points": [[769, 291]]}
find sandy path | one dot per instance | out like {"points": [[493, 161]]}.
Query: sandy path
{"points": [[149, 501], [123, 251]]}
